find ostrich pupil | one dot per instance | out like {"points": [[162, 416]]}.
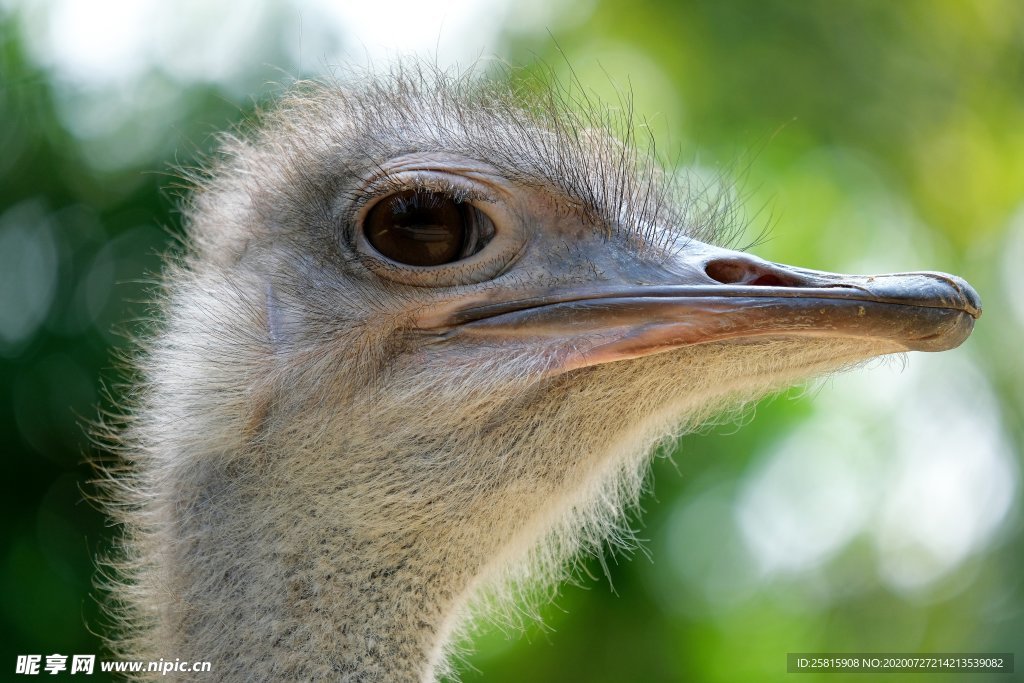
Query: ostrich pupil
{"points": [[419, 228]]}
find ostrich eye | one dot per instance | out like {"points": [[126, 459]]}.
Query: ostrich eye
{"points": [[422, 228]]}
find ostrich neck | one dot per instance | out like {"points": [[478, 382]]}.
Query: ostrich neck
{"points": [[273, 581], [298, 552]]}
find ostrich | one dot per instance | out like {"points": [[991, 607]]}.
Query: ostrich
{"points": [[420, 345]]}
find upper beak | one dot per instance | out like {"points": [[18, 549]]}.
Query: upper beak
{"points": [[721, 296]]}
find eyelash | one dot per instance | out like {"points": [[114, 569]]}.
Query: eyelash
{"points": [[390, 185]]}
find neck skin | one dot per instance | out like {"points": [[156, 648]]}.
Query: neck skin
{"points": [[302, 594]]}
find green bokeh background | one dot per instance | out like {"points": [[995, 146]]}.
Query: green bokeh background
{"points": [[868, 136]]}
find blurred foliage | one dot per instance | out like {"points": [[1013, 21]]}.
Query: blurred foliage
{"points": [[880, 135]]}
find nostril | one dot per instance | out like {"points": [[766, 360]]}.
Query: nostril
{"points": [[726, 272], [738, 272], [770, 280]]}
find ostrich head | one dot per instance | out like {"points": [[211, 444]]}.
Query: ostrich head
{"points": [[421, 343]]}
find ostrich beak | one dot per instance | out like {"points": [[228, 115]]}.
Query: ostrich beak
{"points": [[714, 295]]}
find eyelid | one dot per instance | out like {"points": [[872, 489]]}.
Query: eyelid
{"points": [[458, 187]]}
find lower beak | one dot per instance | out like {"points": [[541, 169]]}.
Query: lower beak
{"points": [[596, 324]]}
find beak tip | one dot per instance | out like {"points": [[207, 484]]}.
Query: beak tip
{"points": [[968, 298], [949, 336]]}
